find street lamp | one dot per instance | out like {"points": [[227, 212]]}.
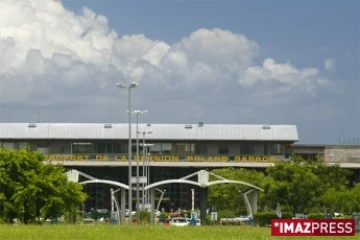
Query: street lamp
{"points": [[132, 85], [137, 113], [145, 174]]}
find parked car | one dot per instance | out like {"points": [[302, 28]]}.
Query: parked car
{"points": [[242, 218], [179, 222]]}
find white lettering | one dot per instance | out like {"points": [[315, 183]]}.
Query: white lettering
{"points": [[340, 227], [299, 228], [332, 227], [348, 227], [315, 226], [323, 227], [288, 227], [307, 227]]}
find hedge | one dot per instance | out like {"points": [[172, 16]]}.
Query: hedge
{"points": [[264, 218]]}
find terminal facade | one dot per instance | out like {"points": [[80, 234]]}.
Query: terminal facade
{"points": [[171, 151]]}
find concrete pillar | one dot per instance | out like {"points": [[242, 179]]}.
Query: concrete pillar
{"points": [[203, 204], [253, 200], [122, 205], [152, 206]]}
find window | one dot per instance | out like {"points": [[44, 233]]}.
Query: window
{"points": [[104, 148], [83, 147], [166, 148], [200, 148], [223, 148], [246, 148], [8, 145], [273, 149], [155, 149], [120, 148], [183, 148]]}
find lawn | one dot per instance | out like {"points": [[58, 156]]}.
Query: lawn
{"points": [[89, 232]]}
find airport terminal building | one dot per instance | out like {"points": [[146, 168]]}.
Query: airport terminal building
{"points": [[172, 151]]}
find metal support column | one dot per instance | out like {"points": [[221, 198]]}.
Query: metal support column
{"points": [[122, 204], [203, 204], [152, 206], [253, 200]]}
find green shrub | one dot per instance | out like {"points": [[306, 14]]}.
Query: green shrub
{"points": [[144, 216], [316, 215], [264, 218], [287, 215]]}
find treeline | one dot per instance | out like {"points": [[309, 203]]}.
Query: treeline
{"points": [[299, 187]]}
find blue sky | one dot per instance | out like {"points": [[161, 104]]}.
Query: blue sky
{"points": [[232, 62]]}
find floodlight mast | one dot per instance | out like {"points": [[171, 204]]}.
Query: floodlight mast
{"points": [[131, 85]]}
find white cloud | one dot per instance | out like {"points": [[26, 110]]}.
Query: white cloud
{"points": [[284, 73], [329, 64], [48, 47]]}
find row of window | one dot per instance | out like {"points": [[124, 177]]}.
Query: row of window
{"points": [[222, 148]]}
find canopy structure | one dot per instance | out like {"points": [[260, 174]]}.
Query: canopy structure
{"points": [[73, 175], [203, 182]]}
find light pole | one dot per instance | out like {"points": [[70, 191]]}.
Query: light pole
{"points": [[137, 113], [132, 85], [144, 159]]}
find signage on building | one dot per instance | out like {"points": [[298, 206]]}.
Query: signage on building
{"points": [[160, 158]]}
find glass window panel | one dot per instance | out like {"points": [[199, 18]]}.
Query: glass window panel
{"points": [[120, 148], [247, 148], [104, 147], [43, 150], [8, 145], [22, 145], [83, 147], [201, 148], [155, 148], [166, 148], [277, 149], [223, 148]]}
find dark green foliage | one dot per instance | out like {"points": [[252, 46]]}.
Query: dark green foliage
{"points": [[300, 187], [264, 218], [226, 214], [316, 215], [144, 216], [31, 189], [287, 215]]}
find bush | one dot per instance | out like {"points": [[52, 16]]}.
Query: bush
{"points": [[264, 218], [144, 216], [316, 215], [287, 215]]}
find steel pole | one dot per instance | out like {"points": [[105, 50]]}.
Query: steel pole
{"points": [[137, 169], [129, 159]]}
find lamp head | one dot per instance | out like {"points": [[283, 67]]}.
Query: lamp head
{"points": [[120, 85], [133, 85]]}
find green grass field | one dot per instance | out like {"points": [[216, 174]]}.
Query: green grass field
{"points": [[88, 232]]}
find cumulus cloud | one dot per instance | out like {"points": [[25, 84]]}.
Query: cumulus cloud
{"points": [[48, 51], [284, 73]]}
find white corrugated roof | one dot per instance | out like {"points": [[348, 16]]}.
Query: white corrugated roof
{"points": [[159, 131]]}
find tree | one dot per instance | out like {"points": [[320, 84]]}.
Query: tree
{"points": [[227, 197], [305, 187], [31, 189]]}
